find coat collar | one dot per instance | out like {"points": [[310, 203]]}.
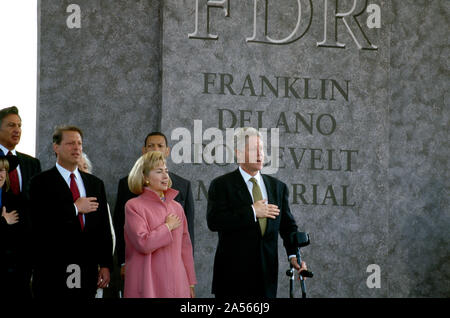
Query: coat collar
{"points": [[169, 194]]}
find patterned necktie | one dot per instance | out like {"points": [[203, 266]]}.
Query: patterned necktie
{"points": [[256, 191], [75, 196], [14, 179]]}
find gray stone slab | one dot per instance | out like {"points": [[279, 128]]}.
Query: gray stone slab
{"points": [[347, 234], [102, 77], [110, 78], [419, 218]]}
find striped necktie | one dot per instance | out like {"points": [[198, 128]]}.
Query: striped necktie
{"points": [[257, 195]]}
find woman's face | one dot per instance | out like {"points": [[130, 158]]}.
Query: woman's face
{"points": [[2, 177], [158, 178], [83, 166]]}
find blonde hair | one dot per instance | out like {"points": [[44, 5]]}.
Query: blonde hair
{"points": [[4, 164], [146, 163]]}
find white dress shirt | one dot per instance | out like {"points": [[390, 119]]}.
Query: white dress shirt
{"points": [[19, 174], [66, 176], [249, 184]]}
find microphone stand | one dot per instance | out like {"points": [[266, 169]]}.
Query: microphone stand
{"points": [[290, 273], [299, 239], [302, 279]]}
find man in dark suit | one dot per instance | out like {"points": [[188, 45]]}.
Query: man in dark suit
{"points": [[248, 210], [155, 141], [71, 228], [10, 133]]}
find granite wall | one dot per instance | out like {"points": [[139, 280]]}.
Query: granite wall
{"points": [[419, 215], [330, 104], [103, 77], [358, 97]]}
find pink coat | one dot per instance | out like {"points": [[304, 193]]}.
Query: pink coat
{"points": [[159, 263]]}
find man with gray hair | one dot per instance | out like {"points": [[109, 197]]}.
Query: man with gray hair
{"points": [[16, 261], [248, 210]]}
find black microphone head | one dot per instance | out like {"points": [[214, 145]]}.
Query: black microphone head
{"points": [[300, 239]]}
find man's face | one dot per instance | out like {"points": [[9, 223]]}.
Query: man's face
{"points": [[10, 131], [156, 143], [70, 150], [253, 159]]}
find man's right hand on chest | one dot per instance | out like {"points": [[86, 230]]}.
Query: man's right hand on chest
{"points": [[86, 205]]}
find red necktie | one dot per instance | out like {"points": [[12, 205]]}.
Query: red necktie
{"points": [[14, 179], [75, 196]]}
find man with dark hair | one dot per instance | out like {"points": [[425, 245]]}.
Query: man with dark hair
{"points": [[71, 230], [58, 133], [10, 133], [155, 141]]}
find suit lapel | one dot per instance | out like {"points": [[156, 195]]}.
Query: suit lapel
{"points": [[60, 184], [271, 197], [241, 188], [23, 169], [270, 190], [89, 193], [86, 183]]}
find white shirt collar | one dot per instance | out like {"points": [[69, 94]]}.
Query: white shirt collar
{"points": [[66, 173], [247, 177], [6, 150]]}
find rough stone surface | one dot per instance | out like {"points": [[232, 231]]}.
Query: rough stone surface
{"points": [[345, 240], [132, 68], [419, 218], [103, 78]]}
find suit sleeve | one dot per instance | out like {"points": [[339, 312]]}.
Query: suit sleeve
{"points": [[222, 215], [119, 221], [189, 210], [3, 230], [37, 168], [29, 167], [104, 232], [287, 222], [50, 219]]}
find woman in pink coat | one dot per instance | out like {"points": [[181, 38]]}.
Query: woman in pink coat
{"points": [[158, 250]]}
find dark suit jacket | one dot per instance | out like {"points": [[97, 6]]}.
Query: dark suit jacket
{"points": [[15, 266], [29, 167], [59, 240], [246, 263], [184, 197]]}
